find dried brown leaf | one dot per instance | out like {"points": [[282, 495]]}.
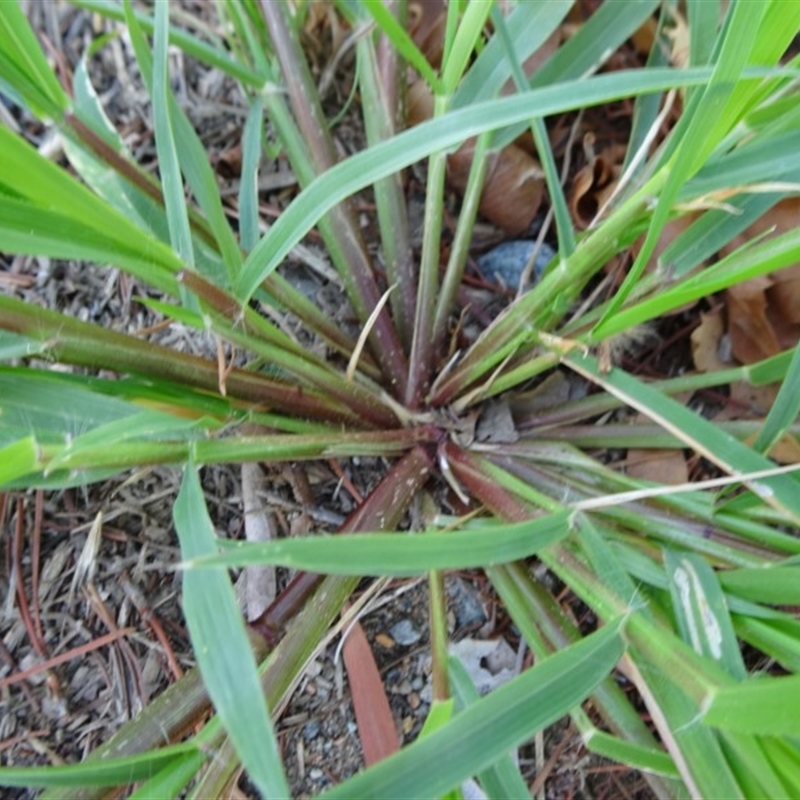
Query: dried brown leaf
{"points": [[706, 340], [376, 727], [784, 297], [752, 335], [661, 466], [750, 402], [764, 313], [593, 184]]}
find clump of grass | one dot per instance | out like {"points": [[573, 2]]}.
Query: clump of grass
{"points": [[678, 578]]}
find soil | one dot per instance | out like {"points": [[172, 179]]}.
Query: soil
{"points": [[88, 574]]}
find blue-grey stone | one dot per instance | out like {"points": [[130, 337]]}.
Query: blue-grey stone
{"points": [[311, 730], [506, 262], [405, 632]]}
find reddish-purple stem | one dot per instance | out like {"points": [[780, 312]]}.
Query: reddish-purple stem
{"points": [[381, 511]]}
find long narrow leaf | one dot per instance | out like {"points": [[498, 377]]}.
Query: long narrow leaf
{"points": [[168, 164], [109, 772], [398, 554], [222, 647], [502, 779]]}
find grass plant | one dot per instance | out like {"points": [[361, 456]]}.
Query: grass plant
{"points": [[693, 587]]}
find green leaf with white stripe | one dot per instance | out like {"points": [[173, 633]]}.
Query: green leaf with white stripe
{"points": [[702, 613]]}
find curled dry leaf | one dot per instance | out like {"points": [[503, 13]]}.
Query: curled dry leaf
{"points": [[764, 313], [711, 353], [752, 335], [708, 343], [593, 184], [513, 189]]}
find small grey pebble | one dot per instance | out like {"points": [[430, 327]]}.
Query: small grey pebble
{"points": [[315, 773], [393, 675], [507, 261], [405, 632], [417, 683], [311, 730], [465, 603]]}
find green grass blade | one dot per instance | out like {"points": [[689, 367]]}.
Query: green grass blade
{"points": [[222, 648], [595, 40], [784, 410], [765, 159], [468, 32], [646, 759], [752, 758], [213, 54], [28, 181], [24, 68], [18, 459], [382, 160], [761, 259], [704, 18], [33, 230], [171, 779], [566, 233], [401, 553], [502, 779], [490, 728], [110, 772], [646, 108], [530, 24], [55, 410], [766, 706], [702, 613], [776, 585], [728, 453], [598, 37], [14, 346], [705, 123], [694, 747], [402, 42], [603, 560], [168, 164], [380, 124], [89, 108], [193, 161], [248, 189], [778, 638]]}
